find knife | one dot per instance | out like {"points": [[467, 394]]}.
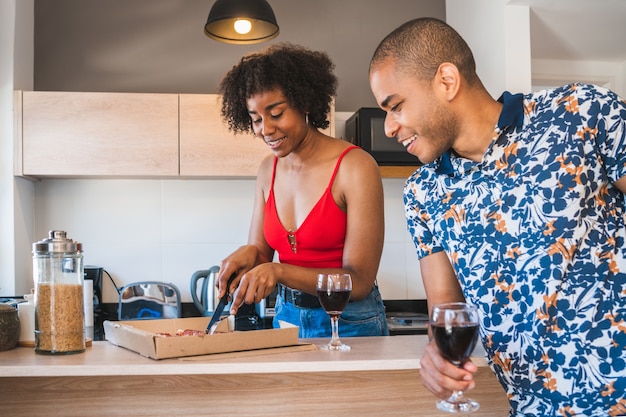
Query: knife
{"points": [[220, 307]]}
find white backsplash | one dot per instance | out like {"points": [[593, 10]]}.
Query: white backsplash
{"points": [[165, 229]]}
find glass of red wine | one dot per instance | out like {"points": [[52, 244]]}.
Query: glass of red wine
{"points": [[454, 327], [333, 291]]}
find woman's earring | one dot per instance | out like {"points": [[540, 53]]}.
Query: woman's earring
{"points": [[306, 118]]}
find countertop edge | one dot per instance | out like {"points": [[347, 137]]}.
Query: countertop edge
{"points": [[105, 359]]}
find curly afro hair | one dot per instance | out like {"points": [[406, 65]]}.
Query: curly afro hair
{"points": [[305, 77]]}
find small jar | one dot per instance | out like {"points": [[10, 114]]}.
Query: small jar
{"points": [[59, 314], [9, 327]]}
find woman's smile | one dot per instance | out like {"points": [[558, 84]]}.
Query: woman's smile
{"points": [[274, 143]]}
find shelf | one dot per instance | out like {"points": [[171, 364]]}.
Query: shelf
{"points": [[397, 171]]}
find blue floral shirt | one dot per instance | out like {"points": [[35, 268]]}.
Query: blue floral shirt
{"points": [[536, 234]]}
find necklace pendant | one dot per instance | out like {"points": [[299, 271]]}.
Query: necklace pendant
{"points": [[291, 237]]}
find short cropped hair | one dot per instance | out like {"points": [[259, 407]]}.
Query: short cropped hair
{"points": [[420, 46], [305, 77]]}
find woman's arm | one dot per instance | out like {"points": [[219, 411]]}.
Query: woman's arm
{"points": [[360, 183], [257, 251]]}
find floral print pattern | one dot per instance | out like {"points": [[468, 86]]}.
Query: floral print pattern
{"points": [[536, 234]]}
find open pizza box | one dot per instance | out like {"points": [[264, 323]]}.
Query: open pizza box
{"points": [[157, 339]]}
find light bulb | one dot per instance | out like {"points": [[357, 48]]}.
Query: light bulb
{"points": [[242, 26]]}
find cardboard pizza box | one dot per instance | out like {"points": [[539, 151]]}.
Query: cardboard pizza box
{"points": [[157, 339]]}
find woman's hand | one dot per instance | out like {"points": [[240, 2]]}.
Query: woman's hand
{"points": [[441, 376], [239, 262], [255, 285]]}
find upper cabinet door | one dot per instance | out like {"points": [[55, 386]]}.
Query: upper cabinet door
{"points": [[99, 134], [208, 148]]}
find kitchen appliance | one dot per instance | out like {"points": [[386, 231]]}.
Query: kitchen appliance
{"points": [[149, 300], [366, 128], [403, 323], [94, 274], [207, 300], [406, 316]]}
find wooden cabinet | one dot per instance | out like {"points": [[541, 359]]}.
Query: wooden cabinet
{"points": [[80, 134], [208, 148]]}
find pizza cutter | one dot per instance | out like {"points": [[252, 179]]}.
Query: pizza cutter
{"points": [[220, 307]]}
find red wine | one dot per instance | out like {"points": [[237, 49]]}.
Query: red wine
{"points": [[457, 342], [334, 301]]}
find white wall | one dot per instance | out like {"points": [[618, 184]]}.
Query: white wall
{"points": [[7, 25], [551, 72], [16, 194], [499, 36]]}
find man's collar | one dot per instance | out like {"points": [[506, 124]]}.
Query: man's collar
{"points": [[512, 115], [512, 110]]}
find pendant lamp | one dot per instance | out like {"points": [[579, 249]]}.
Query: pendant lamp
{"points": [[241, 22]]}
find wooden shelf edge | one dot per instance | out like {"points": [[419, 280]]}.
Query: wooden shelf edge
{"points": [[397, 171]]}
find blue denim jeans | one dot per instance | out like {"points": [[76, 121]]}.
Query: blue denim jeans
{"points": [[360, 318]]}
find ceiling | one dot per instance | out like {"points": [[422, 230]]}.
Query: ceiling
{"points": [[158, 45], [590, 30]]}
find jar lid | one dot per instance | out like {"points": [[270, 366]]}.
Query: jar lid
{"points": [[57, 242]]}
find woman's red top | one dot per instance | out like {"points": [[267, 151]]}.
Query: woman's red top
{"points": [[319, 241]]}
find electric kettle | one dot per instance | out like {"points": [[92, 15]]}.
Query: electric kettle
{"points": [[207, 300]]}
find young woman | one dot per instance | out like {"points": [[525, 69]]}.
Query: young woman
{"points": [[319, 200]]}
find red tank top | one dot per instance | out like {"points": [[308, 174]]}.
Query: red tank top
{"points": [[318, 242]]}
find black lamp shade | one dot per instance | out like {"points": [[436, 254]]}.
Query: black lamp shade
{"points": [[221, 22]]}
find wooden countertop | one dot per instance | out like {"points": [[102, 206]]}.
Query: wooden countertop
{"points": [[379, 376], [104, 358]]}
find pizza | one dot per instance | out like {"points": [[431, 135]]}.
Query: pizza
{"points": [[184, 332]]}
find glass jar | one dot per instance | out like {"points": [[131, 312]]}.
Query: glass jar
{"points": [[9, 327], [59, 314]]}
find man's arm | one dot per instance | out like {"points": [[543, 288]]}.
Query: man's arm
{"points": [[440, 376], [440, 280], [621, 184]]}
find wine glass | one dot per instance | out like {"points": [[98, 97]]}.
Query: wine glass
{"points": [[333, 291], [454, 327]]}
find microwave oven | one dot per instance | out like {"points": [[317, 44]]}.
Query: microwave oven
{"points": [[366, 128]]}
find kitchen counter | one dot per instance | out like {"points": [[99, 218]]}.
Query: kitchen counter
{"points": [[378, 377]]}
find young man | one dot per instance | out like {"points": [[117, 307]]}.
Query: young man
{"points": [[518, 209]]}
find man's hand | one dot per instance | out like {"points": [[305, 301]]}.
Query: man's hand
{"points": [[441, 377]]}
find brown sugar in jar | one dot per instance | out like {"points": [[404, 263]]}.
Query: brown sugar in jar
{"points": [[59, 314]]}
